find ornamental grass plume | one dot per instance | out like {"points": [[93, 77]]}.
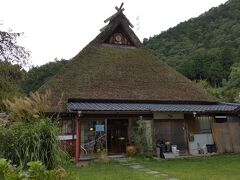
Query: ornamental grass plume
{"points": [[25, 109]]}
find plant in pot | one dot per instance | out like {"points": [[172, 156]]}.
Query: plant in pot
{"points": [[168, 146], [131, 149]]}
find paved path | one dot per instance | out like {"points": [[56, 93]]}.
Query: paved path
{"points": [[140, 167]]}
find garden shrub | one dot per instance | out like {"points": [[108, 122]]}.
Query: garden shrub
{"points": [[33, 141], [142, 137], [28, 134], [35, 171]]}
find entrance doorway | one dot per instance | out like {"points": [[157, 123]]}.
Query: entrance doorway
{"points": [[117, 135]]}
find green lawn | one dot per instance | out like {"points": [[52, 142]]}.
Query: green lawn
{"points": [[220, 167], [217, 167], [108, 171]]}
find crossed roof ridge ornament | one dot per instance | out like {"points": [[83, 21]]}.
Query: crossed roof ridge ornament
{"points": [[119, 10]]}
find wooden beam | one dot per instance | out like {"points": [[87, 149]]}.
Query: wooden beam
{"points": [[186, 135], [120, 9], [111, 17], [130, 24], [78, 139], [103, 28], [121, 5]]}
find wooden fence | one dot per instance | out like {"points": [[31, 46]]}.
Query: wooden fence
{"points": [[227, 137]]}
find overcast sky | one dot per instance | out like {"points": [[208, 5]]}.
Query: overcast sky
{"points": [[61, 28]]}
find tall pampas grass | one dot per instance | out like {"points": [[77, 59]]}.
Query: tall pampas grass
{"points": [[27, 109]]}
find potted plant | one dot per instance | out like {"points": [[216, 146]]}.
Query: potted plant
{"points": [[131, 150], [168, 146]]}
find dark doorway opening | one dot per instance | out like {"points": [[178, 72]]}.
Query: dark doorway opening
{"points": [[117, 135]]}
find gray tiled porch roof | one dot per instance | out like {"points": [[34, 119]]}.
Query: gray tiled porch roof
{"points": [[108, 106]]}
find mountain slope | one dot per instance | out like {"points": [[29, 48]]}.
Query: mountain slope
{"points": [[204, 47], [38, 75]]}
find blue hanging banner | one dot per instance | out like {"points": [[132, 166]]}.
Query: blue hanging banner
{"points": [[99, 128]]}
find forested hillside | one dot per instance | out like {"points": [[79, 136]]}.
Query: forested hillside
{"points": [[38, 75], [10, 79], [204, 48]]}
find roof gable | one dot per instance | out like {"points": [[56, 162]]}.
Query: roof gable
{"points": [[119, 37], [118, 24]]}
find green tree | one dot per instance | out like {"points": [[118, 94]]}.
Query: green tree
{"points": [[204, 47], [231, 91], [37, 76], [10, 78], [11, 75], [234, 77], [10, 50]]}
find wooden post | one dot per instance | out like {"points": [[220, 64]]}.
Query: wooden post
{"points": [[78, 139], [153, 133], [106, 136], [186, 135]]}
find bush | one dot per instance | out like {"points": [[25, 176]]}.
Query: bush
{"points": [[28, 135], [142, 137], [33, 141], [36, 170]]}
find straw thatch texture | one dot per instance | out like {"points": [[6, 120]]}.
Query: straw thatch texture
{"points": [[108, 72]]}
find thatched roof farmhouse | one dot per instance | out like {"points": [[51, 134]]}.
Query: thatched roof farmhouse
{"points": [[115, 82], [105, 69]]}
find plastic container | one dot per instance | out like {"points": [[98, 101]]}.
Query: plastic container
{"points": [[211, 148], [174, 148]]}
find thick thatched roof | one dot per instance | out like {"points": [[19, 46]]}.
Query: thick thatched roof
{"points": [[115, 72], [107, 72]]}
